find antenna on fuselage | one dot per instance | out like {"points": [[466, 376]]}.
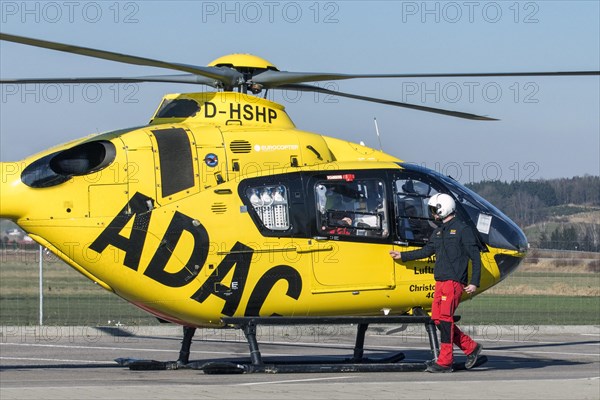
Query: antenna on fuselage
{"points": [[377, 132]]}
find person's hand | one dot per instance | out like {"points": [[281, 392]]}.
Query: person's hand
{"points": [[395, 254], [470, 289]]}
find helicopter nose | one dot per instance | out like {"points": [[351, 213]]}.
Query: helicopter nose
{"points": [[507, 264], [510, 241], [13, 202]]}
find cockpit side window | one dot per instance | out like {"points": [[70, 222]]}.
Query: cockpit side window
{"points": [[178, 108], [351, 208], [413, 222]]}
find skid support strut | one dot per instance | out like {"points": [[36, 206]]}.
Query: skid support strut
{"points": [[250, 333], [430, 327], [186, 343], [360, 342]]}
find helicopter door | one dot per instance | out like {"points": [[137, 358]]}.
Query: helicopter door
{"points": [[352, 243], [137, 168], [414, 226], [175, 164], [111, 183]]}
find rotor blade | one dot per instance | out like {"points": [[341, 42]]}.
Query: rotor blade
{"points": [[182, 78], [458, 114], [228, 76], [272, 79]]}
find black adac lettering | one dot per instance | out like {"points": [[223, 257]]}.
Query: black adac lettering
{"points": [[272, 115], [156, 268], [136, 208], [266, 283], [239, 256]]}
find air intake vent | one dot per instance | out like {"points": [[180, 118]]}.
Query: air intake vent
{"points": [[240, 146], [219, 208]]}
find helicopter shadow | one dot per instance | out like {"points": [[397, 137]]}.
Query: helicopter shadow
{"points": [[412, 357], [66, 366], [549, 345]]}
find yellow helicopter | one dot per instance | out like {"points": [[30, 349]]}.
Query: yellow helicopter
{"points": [[219, 212]]}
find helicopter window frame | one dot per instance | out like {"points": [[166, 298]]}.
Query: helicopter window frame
{"points": [[500, 231], [352, 208], [177, 108], [414, 224], [59, 167]]}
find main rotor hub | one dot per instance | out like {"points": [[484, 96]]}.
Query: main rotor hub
{"points": [[241, 62], [248, 65]]}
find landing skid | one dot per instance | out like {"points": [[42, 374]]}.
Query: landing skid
{"points": [[384, 365], [274, 368], [357, 363]]}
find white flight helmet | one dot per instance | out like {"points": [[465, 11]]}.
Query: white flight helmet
{"points": [[442, 205]]}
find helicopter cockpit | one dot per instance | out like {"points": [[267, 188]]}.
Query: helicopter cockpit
{"points": [[416, 184]]}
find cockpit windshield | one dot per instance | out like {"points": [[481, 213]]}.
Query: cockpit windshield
{"points": [[494, 228]]}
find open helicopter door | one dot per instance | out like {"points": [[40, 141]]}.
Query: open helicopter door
{"points": [[414, 226], [353, 232]]}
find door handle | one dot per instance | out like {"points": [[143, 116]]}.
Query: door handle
{"points": [[311, 248]]}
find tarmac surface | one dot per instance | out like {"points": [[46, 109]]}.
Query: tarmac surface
{"points": [[525, 362]]}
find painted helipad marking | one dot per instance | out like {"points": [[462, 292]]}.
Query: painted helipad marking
{"points": [[57, 360], [294, 381]]}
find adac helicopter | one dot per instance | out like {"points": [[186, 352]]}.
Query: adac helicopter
{"points": [[219, 212]]}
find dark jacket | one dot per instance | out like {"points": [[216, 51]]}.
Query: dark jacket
{"points": [[453, 244]]}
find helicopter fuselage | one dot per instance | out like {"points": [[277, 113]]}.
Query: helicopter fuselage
{"points": [[220, 206]]}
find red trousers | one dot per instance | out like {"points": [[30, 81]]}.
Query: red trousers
{"points": [[446, 299]]}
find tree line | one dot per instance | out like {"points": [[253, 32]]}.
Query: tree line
{"points": [[584, 237]]}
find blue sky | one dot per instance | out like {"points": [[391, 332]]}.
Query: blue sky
{"points": [[548, 128]]}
